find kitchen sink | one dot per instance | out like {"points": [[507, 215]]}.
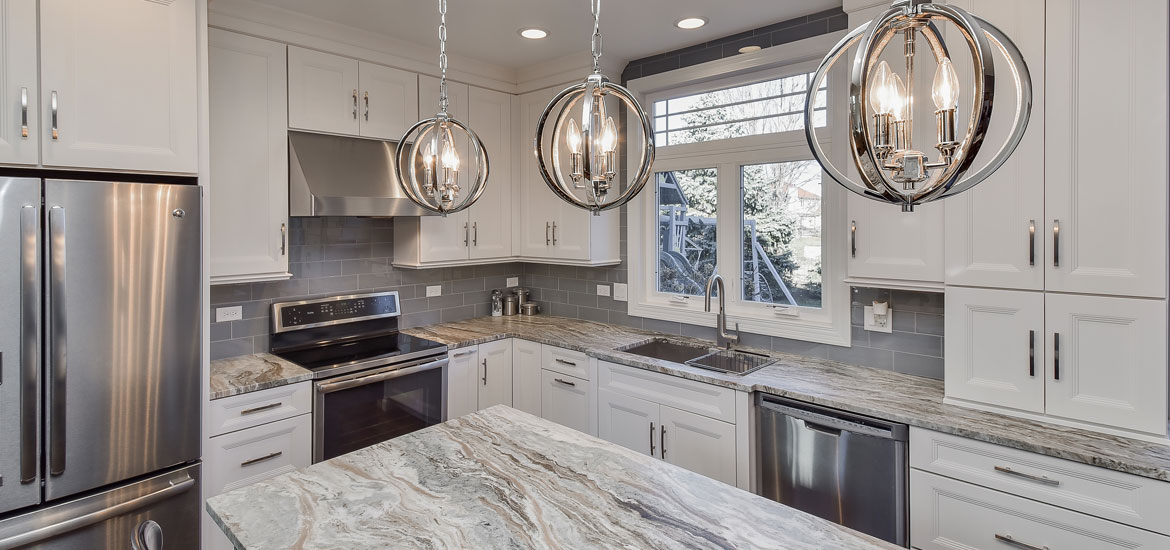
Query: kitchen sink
{"points": [[732, 361], [667, 350]]}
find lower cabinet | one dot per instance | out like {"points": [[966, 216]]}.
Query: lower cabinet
{"points": [[567, 400], [479, 377], [462, 386], [698, 443], [526, 376]]}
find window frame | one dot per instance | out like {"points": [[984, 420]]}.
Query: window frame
{"points": [[829, 324]]}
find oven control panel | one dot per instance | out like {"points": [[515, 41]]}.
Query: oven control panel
{"points": [[331, 311]]}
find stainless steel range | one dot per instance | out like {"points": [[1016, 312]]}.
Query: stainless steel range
{"points": [[371, 382]]}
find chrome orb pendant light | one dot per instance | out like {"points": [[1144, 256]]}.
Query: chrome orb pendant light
{"points": [[881, 105], [428, 154], [592, 140]]}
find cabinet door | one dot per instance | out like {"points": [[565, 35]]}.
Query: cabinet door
{"points": [[536, 200], [700, 444], [490, 115], [119, 80], [389, 101], [1105, 146], [19, 130], [887, 243], [571, 231], [249, 158], [445, 239], [322, 92], [995, 347], [526, 376], [1107, 361], [994, 232], [495, 384], [566, 400], [628, 421], [462, 382]]}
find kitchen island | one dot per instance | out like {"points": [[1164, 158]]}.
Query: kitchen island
{"points": [[501, 478]]}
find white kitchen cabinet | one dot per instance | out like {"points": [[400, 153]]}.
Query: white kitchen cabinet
{"points": [[995, 347], [389, 101], [995, 231], [246, 410], [888, 244], [628, 421], [248, 187], [698, 443], [495, 383], [119, 85], [489, 113], [462, 381], [568, 401], [526, 376], [19, 93], [1105, 147], [1106, 361], [322, 92]]}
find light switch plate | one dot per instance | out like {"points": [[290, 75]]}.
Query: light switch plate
{"points": [[513, 281], [225, 314], [434, 290], [872, 325], [603, 290], [621, 292]]}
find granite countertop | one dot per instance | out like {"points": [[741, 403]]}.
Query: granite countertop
{"points": [[249, 373], [501, 478]]}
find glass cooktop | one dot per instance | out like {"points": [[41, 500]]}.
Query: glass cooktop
{"points": [[333, 355]]}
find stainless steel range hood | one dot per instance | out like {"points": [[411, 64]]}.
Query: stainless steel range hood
{"points": [[344, 176]]}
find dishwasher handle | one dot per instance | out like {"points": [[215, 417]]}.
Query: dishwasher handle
{"points": [[833, 425]]}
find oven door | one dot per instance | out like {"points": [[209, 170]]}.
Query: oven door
{"points": [[358, 410]]}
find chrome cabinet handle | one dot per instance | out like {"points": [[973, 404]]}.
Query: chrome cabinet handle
{"points": [[267, 407], [554, 228], [1031, 242], [1055, 243], [547, 241], [1013, 542], [264, 458], [566, 362], [283, 233], [355, 103], [565, 382], [475, 234], [1032, 353], [53, 112], [485, 372], [853, 238], [462, 354], [367, 99], [1029, 477], [651, 439], [29, 342], [662, 441], [24, 113], [57, 335], [1056, 355], [466, 234]]}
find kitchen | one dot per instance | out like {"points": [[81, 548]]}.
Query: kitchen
{"points": [[679, 314]]}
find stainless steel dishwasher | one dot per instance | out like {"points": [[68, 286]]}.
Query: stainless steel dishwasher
{"points": [[846, 468]]}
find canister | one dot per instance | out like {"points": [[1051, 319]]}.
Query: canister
{"points": [[530, 308], [511, 305]]}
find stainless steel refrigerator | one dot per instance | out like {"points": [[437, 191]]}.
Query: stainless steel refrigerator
{"points": [[99, 365]]}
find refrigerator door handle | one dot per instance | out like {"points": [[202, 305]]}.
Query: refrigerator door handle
{"points": [[57, 341], [29, 309]]}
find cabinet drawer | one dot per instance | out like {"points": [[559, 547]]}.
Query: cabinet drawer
{"points": [[259, 407], [565, 361], [567, 400], [706, 399], [248, 456], [946, 514], [1108, 494]]}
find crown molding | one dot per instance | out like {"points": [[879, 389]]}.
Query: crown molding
{"points": [[564, 69]]}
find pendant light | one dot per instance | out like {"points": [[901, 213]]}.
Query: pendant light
{"points": [[429, 151], [881, 105], [591, 141]]}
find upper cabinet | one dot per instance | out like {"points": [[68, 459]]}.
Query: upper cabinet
{"points": [[338, 95], [19, 96], [888, 244], [249, 158], [118, 85]]}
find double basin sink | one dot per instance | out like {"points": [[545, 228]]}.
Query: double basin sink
{"points": [[722, 360]]}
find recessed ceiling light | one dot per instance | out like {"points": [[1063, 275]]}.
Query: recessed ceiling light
{"points": [[533, 33], [691, 23], [749, 49]]}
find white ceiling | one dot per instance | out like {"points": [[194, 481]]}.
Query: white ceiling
{"points": [[486, 30]]}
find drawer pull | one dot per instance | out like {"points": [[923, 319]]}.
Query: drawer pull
{"points": [[1009, 540], [261, 459], [565, 382], [261, 409], [564, 362], [1029, 477]]}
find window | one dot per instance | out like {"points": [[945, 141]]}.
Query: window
{"points": [[736, 192]]}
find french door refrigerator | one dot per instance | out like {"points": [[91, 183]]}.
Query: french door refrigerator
{"points": [[99, 365]]}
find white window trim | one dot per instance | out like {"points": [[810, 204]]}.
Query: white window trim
{"points": [[829, 324]]}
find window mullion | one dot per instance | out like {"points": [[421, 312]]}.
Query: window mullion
{"points": [[727, 231]]}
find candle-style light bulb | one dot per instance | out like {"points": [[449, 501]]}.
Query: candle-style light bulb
{"points": [[428, 157], [450, 158], [897, 98], [880, 100], [609, 136], [573, 139], [945, 89]]}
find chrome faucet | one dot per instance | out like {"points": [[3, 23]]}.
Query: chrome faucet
{"points": [[722, 338]]}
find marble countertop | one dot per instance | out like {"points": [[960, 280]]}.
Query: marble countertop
{"points": [[249, 373], [501, 478]]}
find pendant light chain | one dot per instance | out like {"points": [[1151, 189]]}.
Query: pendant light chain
{"points": [[443, 56], [595, 43]]}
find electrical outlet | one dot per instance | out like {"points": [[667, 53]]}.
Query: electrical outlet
{"points": [[876, 325], [513, 282], [620, 292], [225, 314], [434, 290], [603, 290]]}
